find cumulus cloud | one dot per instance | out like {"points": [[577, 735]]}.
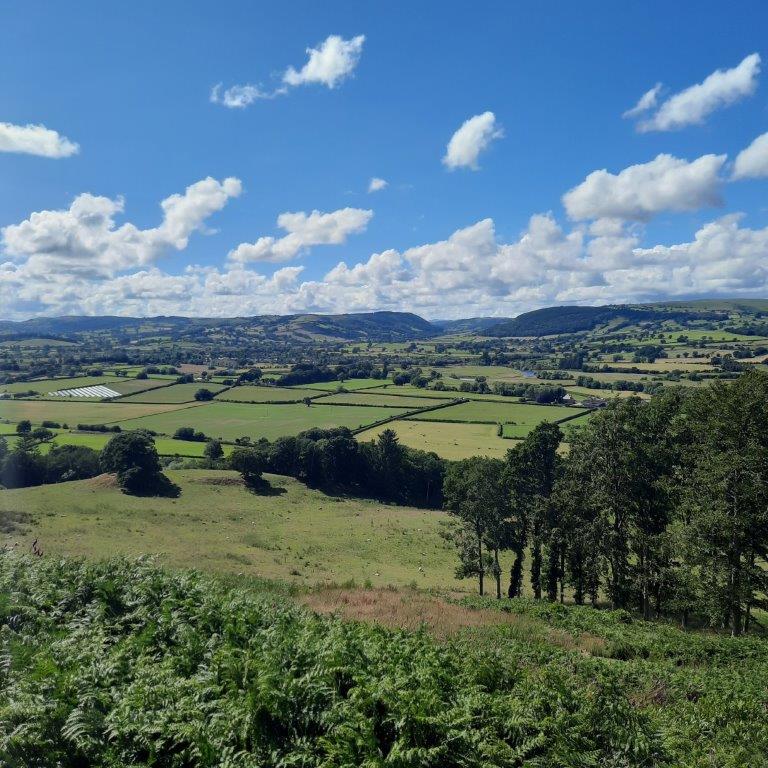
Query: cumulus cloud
{"points": [[304, 230], [376, 184], [333, 61], [694, 104], [35, 140], [647, 101], [473, 137], [752, 162], [86, 242], [639, 192], [468, 273], [329, 64]]}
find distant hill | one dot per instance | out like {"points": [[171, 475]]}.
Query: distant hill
{"points": [[364, 326], [470, 324], [575, 319]]}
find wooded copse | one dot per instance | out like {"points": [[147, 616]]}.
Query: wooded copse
{"points": [[659, 506]]}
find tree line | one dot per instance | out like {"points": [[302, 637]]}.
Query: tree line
{"points": [[659, 506]]}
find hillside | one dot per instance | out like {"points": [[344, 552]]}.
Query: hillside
{"points": [[576, 319], [364, 326]]}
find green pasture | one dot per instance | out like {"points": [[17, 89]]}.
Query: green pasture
{"points": [[373, 398], [520, 414], [232, 420], [349, 384], [250, 394]]}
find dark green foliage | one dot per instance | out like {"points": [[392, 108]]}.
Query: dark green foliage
{"points": [[213, 450], [24, 427], [132, 456], [23, 466], [71, 462], [204, 394], [189, 433], [249, 462], [121, 664]]}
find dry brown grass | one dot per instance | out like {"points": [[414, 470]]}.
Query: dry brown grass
{"points": [[413, 609], [101, 481]]}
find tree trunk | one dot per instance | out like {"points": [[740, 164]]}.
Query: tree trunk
{"points": [[536, 568], [480, 563], [497, 573], [516, 575]]}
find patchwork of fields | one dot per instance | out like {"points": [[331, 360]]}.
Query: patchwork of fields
{"points": [[453, 430]]}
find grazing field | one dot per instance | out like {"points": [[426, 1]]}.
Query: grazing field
{"points": [[177, 393], [232, 420], [166, 446], [73, 412], [500, 413], [217, 525], [332, 386], [249, 394], [407, 389], [372, 398], [451, 441]]}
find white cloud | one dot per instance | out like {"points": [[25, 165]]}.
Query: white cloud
{"points": [[639, 192], [85, 241], [304, 230], [694, 104], [376, 184], [241, 96], [35, 140], [469, 273], [752, 162], [647, 101], [331, 62], [472, 138]]}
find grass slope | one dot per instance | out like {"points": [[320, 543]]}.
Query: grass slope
{"points": [[80, 413], [217, 525]]}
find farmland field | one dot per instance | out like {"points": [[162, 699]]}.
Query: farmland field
{"points": [[407, 389], [44, 386], [249, 394], [451, 441], [73, 412], [165, 446], [373, 398], [517, 413], [217, 525], [177, 393], [332, 386], [231, 420]]}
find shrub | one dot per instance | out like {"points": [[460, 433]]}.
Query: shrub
{"points": [[203, 394]]}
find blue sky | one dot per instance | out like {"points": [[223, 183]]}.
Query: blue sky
{"points": [[450, 235]]}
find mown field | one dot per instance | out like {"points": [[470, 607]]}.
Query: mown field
{"points": [[176, 393], [232, 420], [218, 525], [451, 441], [74, 412], [249, 394], [521, 414]]}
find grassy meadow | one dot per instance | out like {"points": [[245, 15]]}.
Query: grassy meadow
{"points": [[217, 525], [521, 414], [251, 394], [74, 412]]}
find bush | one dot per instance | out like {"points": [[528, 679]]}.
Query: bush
{"points": [[203, 394], [24, 427], [189, 433], [71, 462]]}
